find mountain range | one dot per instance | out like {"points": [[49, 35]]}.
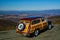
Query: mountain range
{"points": [[47, 13]]}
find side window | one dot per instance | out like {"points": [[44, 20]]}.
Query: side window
{"points": [[35, 21], [42, 19]]}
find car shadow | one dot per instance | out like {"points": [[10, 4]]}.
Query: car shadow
{"points": [[32, 35], [42, 31]]}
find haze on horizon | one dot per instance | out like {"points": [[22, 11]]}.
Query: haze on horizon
{"points": [[29, 4]]}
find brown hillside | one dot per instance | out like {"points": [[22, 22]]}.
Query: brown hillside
{"points": [[55, 19], [7, 25]]}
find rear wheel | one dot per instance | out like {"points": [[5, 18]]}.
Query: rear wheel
{"points": [[36, 32]]}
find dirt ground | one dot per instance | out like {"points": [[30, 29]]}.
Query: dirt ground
{"points": [[53, 34]]}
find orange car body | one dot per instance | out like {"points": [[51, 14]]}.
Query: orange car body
{"points": [[31, 24]]}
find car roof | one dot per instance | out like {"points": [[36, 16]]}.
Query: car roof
{"points": [[31, 18]]}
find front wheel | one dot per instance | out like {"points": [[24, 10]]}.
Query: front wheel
{"points": [[49, 26]]}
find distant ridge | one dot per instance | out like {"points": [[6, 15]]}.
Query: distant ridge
{"points": [[52, 12]]}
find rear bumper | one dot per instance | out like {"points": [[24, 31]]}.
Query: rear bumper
{"points": [[23, 33]]}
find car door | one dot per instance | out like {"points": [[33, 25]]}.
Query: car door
{"points": [[35, 24]]}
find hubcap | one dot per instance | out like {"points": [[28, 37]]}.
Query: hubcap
{"points": [[49, 26], [21, 26], [36, 32]]}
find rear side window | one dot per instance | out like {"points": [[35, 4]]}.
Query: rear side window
{"points": [[35, 21]]}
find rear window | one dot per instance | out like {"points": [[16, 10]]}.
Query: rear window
{"points": [[35, 21]]}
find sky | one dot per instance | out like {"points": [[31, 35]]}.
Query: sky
{"points": [[29, 4]]}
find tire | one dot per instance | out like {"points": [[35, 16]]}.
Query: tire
{"points": [[21, 26], [49, 26], [36, 32]]}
